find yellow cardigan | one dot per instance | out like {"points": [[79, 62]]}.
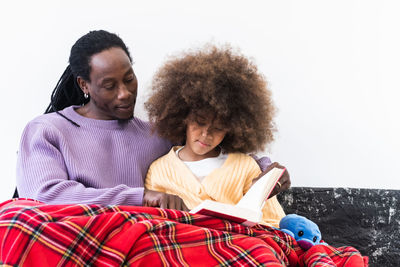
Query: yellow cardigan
{"points": [[226, 184]]}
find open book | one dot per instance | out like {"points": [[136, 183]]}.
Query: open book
{"points": [[248, 210]]}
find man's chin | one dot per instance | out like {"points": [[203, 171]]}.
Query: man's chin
{"points": [[125, 117]]}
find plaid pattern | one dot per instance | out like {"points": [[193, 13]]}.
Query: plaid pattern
{"points": [[34, 234]]}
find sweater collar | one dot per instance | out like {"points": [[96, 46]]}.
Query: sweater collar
{"points": [[71, 113]]}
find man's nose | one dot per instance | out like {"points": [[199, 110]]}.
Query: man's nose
{"points": [[123, 92]]}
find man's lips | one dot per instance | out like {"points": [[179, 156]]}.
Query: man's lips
{"points": [[127, 106], [124, 107]]}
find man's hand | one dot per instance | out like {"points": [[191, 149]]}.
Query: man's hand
{"points": [[163, 200], [283, 183]]}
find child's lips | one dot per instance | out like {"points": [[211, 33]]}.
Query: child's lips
{"points": [[203, 144]]}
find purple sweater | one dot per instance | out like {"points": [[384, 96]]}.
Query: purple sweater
{"points": [[100, 162]]}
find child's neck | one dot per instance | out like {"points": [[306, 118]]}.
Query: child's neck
{"points": [[186, 154]]}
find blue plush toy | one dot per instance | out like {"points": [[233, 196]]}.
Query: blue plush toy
{"points": [[305, 231]]}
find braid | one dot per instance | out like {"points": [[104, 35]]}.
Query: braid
{"points": [[65, 94], [67, 91]]}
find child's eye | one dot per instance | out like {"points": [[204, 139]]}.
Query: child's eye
{"points": [[216, 130]]}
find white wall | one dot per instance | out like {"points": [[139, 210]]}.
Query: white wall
{"points": [[333, 67]]}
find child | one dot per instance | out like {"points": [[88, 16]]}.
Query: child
{"points": [[216, 103]]}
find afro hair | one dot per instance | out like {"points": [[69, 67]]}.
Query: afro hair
{"points": [[218, 81]]}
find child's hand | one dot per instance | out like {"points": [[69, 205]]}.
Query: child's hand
{"points": [[284, 182], [163, 200]]}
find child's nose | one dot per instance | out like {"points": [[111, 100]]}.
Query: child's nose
{"points": [[206, 131]]}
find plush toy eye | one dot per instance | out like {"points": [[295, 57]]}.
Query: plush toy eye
{"points": [[300, 233], [314, 239]]}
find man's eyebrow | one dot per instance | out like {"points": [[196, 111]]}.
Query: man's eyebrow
{"points": [[129, 71], [111, 79], [107, 79]]}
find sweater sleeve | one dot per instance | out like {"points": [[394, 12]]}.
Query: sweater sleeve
{"points": [[262, 162], [152, 181], [42, 173]]}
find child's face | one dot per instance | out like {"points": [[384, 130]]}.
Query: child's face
{"points": [[203, 135]]}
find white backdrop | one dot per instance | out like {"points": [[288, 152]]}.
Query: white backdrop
{"points": [[333, 67]]}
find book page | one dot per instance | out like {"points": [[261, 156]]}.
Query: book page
{"points": [[227, 211], [259, 192]]}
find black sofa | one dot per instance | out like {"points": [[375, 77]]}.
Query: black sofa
{"points": [[367, 219]]}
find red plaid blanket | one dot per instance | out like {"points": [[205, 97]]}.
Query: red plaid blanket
{"points": [[35, 234]]}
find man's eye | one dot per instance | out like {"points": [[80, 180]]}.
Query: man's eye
{"points": [[109, 86], [129, 79]]}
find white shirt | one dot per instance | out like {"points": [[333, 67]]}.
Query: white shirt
{"points": [[202, 168]]}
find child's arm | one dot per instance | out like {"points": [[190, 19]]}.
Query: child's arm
{"points": [[155, 194]]}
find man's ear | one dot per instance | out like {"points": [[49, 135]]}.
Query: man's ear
{"points": [[82, 84]]}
